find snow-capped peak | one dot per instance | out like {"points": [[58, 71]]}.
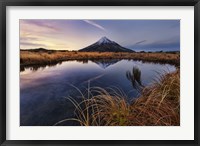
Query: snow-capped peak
{"points": [[104, 40]]}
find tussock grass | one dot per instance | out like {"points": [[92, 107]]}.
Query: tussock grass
{"points": [[39, 58], [158, 105]]}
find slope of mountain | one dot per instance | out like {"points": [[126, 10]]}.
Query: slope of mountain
{"points": [[105, 45], [37, 50]]}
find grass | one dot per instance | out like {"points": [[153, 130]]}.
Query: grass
{"points": [[158, 105], [28, 58]]}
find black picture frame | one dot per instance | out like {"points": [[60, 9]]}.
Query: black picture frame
{"points": [[5, 3]]}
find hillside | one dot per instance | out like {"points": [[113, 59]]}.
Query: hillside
{"points": [[105, 45]]}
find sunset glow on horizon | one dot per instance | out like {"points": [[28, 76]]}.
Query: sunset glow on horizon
{"points": [[63, 34]]}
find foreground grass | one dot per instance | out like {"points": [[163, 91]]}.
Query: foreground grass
{"points": [[28, 58], [158, 105]]}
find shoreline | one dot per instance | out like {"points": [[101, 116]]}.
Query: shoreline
{"points": [[29, 59], [150, 109]]}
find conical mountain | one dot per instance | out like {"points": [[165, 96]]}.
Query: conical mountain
{"points": [[105, 45]]}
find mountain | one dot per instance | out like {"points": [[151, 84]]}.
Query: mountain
{"points": [[105, 45], [36, 50], [41, 50]]}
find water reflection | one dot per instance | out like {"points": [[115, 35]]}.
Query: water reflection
{"points": [[135, 78], [43, 89], [41, 66], [104, 63], [83, 61]]}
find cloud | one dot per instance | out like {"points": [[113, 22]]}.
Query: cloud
{"points": [[26, 44], [176, 25], [140, 42], [172, 43], [95, 24], [137, 44], [26, 39], [37, 43], [168, 43], [41, 23]]}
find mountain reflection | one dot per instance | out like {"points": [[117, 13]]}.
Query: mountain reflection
{"points": [[104, 63], [83, 61]]}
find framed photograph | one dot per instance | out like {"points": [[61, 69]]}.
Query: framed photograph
{"points": [[99, 72]]}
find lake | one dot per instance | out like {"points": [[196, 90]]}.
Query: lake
{"points": [[44, 89]]}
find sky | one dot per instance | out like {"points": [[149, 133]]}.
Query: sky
{"points": [[138, 35]]}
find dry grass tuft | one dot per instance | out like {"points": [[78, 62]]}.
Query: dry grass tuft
{"points": [[159, 105]]}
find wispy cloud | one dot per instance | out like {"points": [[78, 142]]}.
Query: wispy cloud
{"points": [[41, 23], [95, 24], [28, 44], [165, 44], [140, 42], [23, 39]]}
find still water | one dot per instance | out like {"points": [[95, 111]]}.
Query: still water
{"points": [[44, 90]]}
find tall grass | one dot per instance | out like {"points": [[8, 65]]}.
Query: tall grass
{"points": [[158, 105], [37, 58]]}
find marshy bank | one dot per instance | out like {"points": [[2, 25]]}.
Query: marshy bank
{"points": [[29, 58], [158, 105], [43, 90]]}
